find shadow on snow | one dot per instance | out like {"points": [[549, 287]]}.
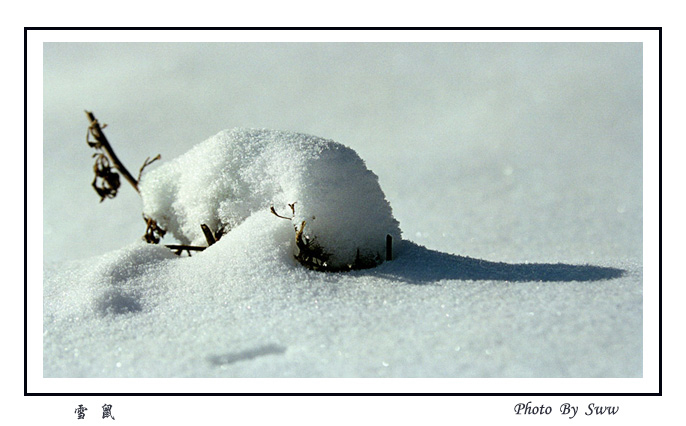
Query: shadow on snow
{"points": [[233, 357], [417, 264]]}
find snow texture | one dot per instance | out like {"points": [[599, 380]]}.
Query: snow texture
{"points": [[514, 169], [244, 308], [337, 202]]}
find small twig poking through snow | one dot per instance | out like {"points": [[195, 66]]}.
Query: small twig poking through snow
{"points": [[101, 143], [209, 236], [271, 209], [146, 163], [106, 182], [153, 233], [178, 249], [312, 255], [292, 206]]}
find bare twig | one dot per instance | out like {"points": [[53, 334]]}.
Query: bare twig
{"points": [[310, 253], [153, 233], [179, 248], [209, 236], [278, 215], [106, 182], [146, 163], [101, 143]]}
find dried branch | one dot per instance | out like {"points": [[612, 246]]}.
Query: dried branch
{"points": [[101, 143], [209, 236], [106, 182], [153, 233], [310, 253], [271, 209], [146, 163], [178, 248], [103, 170]]}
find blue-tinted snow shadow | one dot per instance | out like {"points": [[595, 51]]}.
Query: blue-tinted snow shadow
{"points": [[233, 357], [418, 265]]}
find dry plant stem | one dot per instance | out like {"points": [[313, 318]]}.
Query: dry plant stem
{"points": [[147, 162], [101, 142], [209, 236], [182, 247], [153, 233], [278, 215], [110, 180]]}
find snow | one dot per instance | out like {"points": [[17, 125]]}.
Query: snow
{"points": [[324, 187], [244, 308], [514, 170]]}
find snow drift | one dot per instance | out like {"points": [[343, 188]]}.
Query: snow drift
{"points": [[522, 156], [335, 203]]}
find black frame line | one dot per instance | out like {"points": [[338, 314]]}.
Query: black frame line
{"points": [[506, 394]]}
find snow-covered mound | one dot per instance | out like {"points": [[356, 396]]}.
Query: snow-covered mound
{"points": [[337, 206]]}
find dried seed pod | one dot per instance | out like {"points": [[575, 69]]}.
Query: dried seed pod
{"points": [[106, 181]]}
